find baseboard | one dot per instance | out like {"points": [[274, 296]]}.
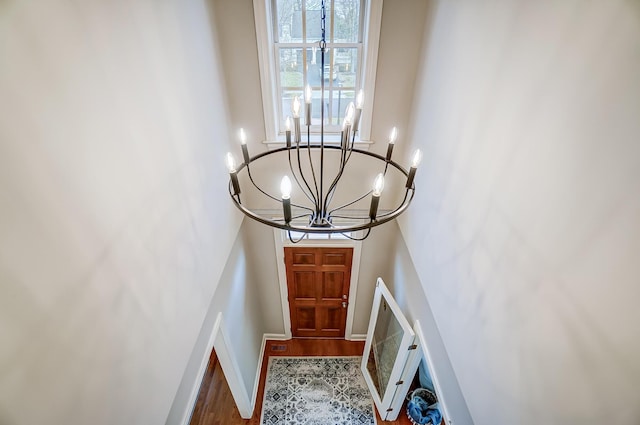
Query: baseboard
{"points": [[193, 397], [358, 337], [275, 337], [263, 347]]}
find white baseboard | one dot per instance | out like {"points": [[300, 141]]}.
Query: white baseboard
{"points": [[256, 383], [193, 397], [358, 337], [276, 337]]}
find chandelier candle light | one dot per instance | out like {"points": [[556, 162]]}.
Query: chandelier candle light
{"points": [[318, 212]]}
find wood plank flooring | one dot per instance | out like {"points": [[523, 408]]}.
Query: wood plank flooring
{"points": [[215, 405]]}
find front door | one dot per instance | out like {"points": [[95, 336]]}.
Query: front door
{"points": [[318, 284]]}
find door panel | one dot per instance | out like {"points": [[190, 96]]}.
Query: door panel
{"points": [[304, 284], [318, 284], [334, 258], [332, 285], [334, 318], [304, 258], [306, 318]]}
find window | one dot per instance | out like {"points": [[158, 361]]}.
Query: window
{"points": [[317, 236], [298, 57], [288, 32]]}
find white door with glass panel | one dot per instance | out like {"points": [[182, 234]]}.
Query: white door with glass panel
{"points": [[392, 353]]}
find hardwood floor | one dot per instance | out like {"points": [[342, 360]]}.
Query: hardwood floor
{"points": [[215, 405]]}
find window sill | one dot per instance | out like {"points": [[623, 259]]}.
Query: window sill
{"points": [[328, 140]]}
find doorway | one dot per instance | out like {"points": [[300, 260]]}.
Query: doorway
{"points": [[318, 284]]}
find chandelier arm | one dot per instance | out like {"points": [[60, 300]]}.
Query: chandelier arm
{"points": [[258, 187], [350, 203], [269, 195], [291, 238], [406, 194], [313, 171], [292, 218], [334, 184], [332, 187], [310, 229], [310, 197], [314, 200], [330, 196], [358, 239]]}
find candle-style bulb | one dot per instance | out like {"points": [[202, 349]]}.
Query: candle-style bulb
{"points": [[417, 157], [349, 113], [360, 99], [296, 107], [285, 187], [243, 137], [378, 185], [231, 162], [307, 94], [394, 135], [287, 123]]}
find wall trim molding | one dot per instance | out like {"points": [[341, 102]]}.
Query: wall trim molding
{"points": [[193, 397], [220, 342], [263, 347], [358, 337]]}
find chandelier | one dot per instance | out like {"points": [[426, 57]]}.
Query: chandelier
{"points": [[316, 180]]}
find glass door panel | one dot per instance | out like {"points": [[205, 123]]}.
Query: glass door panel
{"points": [[389, 342]]}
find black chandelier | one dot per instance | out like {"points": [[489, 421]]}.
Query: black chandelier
{"points": [[316, 190]]}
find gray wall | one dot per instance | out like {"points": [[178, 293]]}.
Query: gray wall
{"points": [[525, 229], [112, 136], [238, 297], [405, 286]]}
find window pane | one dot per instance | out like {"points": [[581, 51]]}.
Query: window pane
{"points": [[339, 100], [313, 21], [291, 69], [289, 21], [346, 66], [347, 21], [316, 107]]}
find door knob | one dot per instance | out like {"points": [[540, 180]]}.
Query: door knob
{"points": [[344, 305], [344, 297]]}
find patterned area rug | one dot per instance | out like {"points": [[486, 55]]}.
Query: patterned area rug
{"points": [[316, 391]]}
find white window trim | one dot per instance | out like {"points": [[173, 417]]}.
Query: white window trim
{"points": [[266, 60]]}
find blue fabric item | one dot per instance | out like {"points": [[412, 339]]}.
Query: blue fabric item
{"points": [[434, 415], [422, 413]]}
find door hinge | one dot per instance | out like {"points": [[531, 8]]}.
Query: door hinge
{"points": [[399, 382], [412, 347]]}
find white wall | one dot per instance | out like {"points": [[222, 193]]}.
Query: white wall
{"points": [[112, 238], [525, 229]]}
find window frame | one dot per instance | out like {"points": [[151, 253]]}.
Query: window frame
{"points": [[264, 13]]}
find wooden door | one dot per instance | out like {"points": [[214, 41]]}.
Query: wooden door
{"points": [[318, 283]]}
